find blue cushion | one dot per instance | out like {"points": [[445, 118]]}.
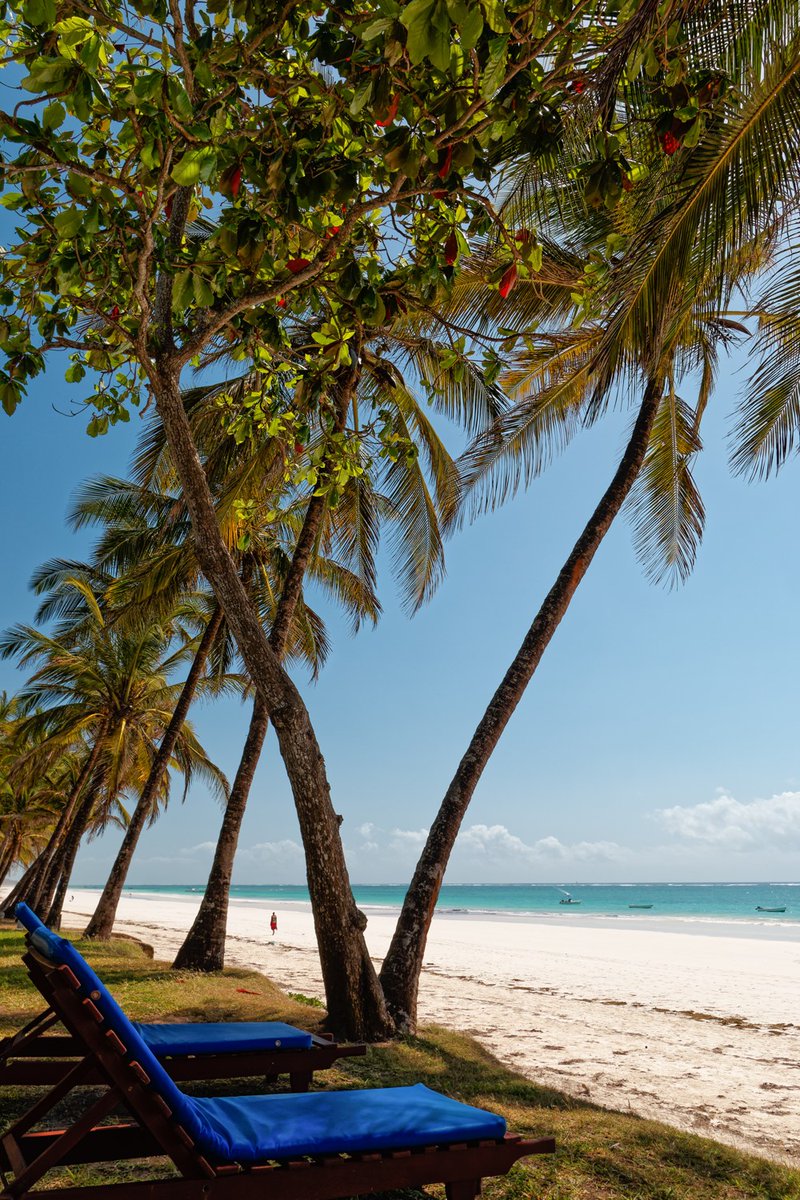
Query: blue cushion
{"points": [[27, 917], [200, 1037], [287, 1125], [219, 1037]]}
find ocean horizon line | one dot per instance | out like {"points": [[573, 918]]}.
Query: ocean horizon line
{"points": [[755, 902], [561, 883]]}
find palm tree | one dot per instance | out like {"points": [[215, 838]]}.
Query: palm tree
{"points": [[105, 687], [687, 239], [31, 790], [336, 543]]}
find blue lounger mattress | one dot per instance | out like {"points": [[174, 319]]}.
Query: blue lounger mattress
{"points": [[253, 1128], [219, 1037], [203, 1037]]}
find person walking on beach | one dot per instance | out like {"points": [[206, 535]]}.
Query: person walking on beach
{"points": [[273, 924]]}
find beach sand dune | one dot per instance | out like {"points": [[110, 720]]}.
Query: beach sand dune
{"points": [[699, 1030]]}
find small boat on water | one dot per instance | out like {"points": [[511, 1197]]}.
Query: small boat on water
{"points": [[761, 908], [568, 899], [640, 906]]}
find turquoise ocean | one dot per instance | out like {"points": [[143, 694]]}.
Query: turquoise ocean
{"points": [[682, 901]]}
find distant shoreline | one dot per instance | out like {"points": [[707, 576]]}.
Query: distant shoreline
{"points": [[711, 907]]}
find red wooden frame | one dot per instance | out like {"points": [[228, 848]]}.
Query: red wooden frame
{"points": [[33, 1058]]}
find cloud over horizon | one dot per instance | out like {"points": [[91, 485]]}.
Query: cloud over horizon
{"points": [[763, 824]]}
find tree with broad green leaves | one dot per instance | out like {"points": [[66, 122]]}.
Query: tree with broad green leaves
{"points": [[349, 159]]}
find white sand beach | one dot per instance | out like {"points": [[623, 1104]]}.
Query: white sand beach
{"points": [[698, 1029]]}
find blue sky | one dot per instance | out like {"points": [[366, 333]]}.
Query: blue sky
{"points": [[657, 741]]}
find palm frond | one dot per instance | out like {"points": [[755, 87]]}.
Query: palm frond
{"points": [[668, 513]]}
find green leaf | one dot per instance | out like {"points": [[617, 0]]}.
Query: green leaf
{"points": [[194, 166], [40, 12], [47, 75], [495, 70], [182, 290], [471, 28], [203, 295], [495, 14], [363, 95], [425, 39], [68, 221], [53, 116]]}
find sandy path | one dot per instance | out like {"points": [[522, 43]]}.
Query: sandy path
{"points": [[701, 1031]]}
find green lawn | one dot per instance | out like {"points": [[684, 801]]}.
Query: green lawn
{"points": [[601, 1154]]}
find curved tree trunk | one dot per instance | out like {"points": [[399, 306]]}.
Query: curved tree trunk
{"points": [[30, 886], [204, 947], [11, 847], [102, 921], [356, 1007], [403, 963], [71, 846]]}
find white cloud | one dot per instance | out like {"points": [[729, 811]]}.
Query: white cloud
{"points": [[499, 844], [726, 822], [273, 851], [408, 839], [366, 830]]}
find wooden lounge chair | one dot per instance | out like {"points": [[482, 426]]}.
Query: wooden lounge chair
{"points": [[194, 1051], [283, 1146]]}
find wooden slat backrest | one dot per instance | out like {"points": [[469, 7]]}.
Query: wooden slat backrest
{"points": [[85, 1022]]}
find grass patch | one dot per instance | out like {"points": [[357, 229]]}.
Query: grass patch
{"points": [[602, 1155]]}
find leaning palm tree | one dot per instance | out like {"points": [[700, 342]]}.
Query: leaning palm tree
{"points": [[400, 479], [652, 311], [108, 689], [145, 540], [32, 787]]}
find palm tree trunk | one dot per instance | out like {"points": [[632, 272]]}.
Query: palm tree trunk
{"points": [[11, 846], [403, 963], [29, 887], [102, 921], [71, 847], [356, 1007], [204, 947]]}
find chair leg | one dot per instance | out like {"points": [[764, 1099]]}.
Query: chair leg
{"points": [[300, 1081], [463, 1189]]}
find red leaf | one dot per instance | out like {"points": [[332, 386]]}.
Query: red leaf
{"points": [[168, 208], [451, 250], [669, 143], [446, 164], [508, 281], [281, 303], [522, 236], [440, 194], [236, 182], [295, 265], [391, 113], [627, 185], [115, 312]]}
